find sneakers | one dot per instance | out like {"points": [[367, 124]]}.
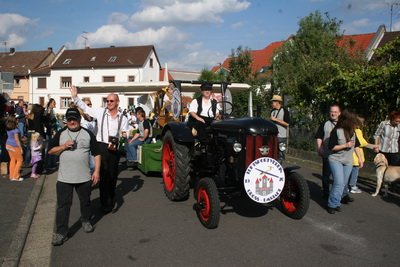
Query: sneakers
{"points": [[20, 179], [355, 190], [58, 239], [87, 227]]}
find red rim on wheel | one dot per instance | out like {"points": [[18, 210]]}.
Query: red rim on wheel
{"points": [[168, 166], [288, 199], [204, 203]]}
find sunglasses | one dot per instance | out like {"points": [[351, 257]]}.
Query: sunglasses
{"points": [[71, 119], [89, 105], [110, 101]]}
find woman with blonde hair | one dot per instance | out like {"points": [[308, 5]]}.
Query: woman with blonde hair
{"points": [[14, 148]]}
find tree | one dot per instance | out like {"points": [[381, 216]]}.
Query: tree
{"points": [[372, 91], [310, 59]]}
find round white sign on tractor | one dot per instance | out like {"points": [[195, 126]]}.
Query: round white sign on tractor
{"points": [[264, 180]]}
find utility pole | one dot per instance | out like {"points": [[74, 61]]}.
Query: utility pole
{"points": [[391, 13]]}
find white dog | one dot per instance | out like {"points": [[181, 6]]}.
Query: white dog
{"points": [[384, 172]]}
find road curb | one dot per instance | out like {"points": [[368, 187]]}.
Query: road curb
{"points": [[16, 247]]}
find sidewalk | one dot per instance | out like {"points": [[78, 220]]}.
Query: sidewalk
{"points": [[17, 206]]}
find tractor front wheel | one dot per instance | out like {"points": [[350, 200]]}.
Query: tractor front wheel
{"points": [[295, 197], [207, 205]]}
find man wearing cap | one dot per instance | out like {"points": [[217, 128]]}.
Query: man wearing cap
{"points": [[281, 117], [203, 111], [111, 122], [74, 144]]}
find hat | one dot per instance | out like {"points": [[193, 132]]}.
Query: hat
{"points": [[73, 113], [276, 98], [206, 87]]}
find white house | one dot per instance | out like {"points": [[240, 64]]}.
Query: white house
{"points": [[94, 65]]}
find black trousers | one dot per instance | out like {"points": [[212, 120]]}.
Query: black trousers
{"points": [[64, 203], [201, 128], [108, 174]]}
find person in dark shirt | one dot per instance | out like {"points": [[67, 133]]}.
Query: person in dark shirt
{"points": [[143, 135]]}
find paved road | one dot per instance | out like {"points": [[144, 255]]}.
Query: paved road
{"points": [[147, 229]]}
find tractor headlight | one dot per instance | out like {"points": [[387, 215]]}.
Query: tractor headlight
{"points": [[237, 147], [282, 146]]}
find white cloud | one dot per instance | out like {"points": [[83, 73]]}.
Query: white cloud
{"points": [[178, 12], [118, 35], [366, 5], [237, 25], [396, 26], [118, 18], [12, 29]]}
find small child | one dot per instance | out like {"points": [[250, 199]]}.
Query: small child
{"points": [[36, 157]]}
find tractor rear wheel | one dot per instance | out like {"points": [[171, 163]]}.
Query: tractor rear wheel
{"points": [[175, 165], [208, 204]]}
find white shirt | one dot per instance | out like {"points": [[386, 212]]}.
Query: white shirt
{"points": [[108, 127], [206, 106]]}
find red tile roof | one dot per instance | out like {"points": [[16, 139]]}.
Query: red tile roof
{"points": [[20, 63], [110, 57], [263, 58], [356, 42]]}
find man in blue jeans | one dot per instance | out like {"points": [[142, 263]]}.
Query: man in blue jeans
{"points": [[143, 135], [322, 140]]}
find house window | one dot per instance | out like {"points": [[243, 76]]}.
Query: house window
{"points": [[86, 79], [42, 83], [16, 83], [66, 82], [65, 102], [41, 101], [67, 61], [151, 62], [108, 79], [131, 78], [112, 59]]}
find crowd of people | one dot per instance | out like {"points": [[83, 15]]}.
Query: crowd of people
{"points": [[92, 138], [340, 144]]}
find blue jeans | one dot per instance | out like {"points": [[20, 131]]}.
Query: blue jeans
{"points": [[21, 128], [340, 174], [353, 176], [131, 150]]}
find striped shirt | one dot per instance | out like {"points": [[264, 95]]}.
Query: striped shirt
{"points": [[388, 136]]}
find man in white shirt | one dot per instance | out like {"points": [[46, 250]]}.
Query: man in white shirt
{"points": [[203, 111], [110, 123]]}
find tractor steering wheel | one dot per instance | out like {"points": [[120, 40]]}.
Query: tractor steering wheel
{"points": [[226, 109]]}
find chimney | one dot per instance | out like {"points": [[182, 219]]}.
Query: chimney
{"points": [[12, 50], [50, 48]]}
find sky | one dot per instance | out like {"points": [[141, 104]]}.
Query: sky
{"points": [[187, 34]]}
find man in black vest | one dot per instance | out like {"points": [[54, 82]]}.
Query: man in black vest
{"points": [[203, 111]]}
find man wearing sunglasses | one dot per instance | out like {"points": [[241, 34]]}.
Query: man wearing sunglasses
{"points": [[110, 123], [73, 144]]}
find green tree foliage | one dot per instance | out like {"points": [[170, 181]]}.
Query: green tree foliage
{"points": [[372, 91], [310, 59]]}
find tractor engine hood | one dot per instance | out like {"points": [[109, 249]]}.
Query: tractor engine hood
{"points": [[246, 125]]}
